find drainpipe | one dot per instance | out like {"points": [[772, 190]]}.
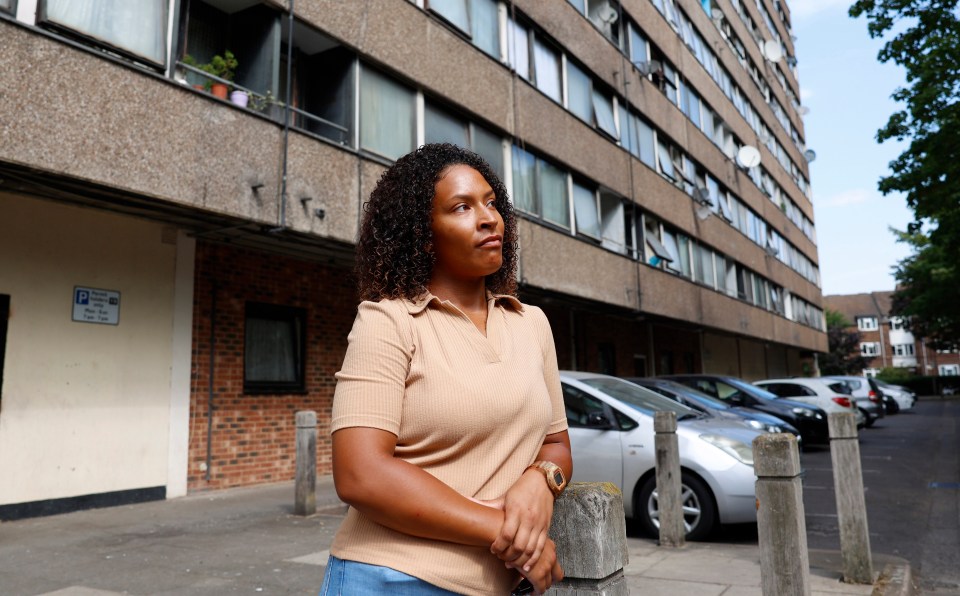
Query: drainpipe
{"points": [[213, 340], [282, 225]]}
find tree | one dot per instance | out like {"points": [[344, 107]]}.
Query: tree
{"points": [[843, 357], [923, 37]]}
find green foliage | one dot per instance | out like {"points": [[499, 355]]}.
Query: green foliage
{"points": [[843, 347], [224, 66], [895, 376], [924, 38]]}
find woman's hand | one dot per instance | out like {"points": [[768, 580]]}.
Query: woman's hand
{"points": [[546, 571], [528, 508]]}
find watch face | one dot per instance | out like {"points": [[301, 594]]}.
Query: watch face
{"points": [[558, 478]]}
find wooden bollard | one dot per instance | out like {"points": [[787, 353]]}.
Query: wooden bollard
{"points": [[851, 506], [305, 490], [781, 528], [590, 532], [672, 530]]}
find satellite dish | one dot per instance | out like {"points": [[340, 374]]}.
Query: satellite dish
{"points": [[607, 14], [716, 14], [809, 155], [771, 50], [703, 212], [748, 156], [803, 110], [702, 196]]}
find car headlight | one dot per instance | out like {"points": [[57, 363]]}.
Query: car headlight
{"points": [[736, 449], [805, 412], [761, 426]]}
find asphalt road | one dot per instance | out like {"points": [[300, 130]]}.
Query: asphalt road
{"points": [[911, 476]]}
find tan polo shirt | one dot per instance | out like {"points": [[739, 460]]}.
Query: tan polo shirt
{"points": [[470, 409]]}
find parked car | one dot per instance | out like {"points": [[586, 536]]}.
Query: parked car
{"points": [[811, 421], [866, 393], [612, 440], [827, 394], [692, 398], [904, 397]]}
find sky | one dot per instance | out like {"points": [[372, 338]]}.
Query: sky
{"points": [[848, 93]]}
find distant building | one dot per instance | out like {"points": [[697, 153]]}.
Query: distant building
{"points": [[884, 339], [176, 267]]}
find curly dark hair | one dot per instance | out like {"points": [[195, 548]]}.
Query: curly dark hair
{"points": [[392, 260]]}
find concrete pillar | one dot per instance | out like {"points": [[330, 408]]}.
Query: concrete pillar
{"points": [[851, 507], [305, 490], [782, 530], [672, 529], [590, 532]]}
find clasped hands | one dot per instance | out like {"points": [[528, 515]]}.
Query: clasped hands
{"points": [[522, 543]]}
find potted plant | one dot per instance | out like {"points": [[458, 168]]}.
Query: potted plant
{"points": [[223, 67]]}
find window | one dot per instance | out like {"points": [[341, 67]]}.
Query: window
{"points": [[646, 141], [903, 350], [455, 12], [387, 115], [870, 349], [585, 211], [605, 15], [579, 93], [274, 349], [8, 6], [656, 253], [867, 323], [134, 27], [540, 188], [441, 127], [638, 46], [546, 69], [896, 323], [612, 222], [944, 370], [518, 48], [524, 180], [581, 407], [665, 161]]}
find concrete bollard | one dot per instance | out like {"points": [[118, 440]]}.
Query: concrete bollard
{"points": [[782, 530], [851, 507], [590, 531], [672, 529], [305, 490]]}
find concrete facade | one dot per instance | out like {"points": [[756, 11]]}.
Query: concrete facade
{"points": [[206, 215]]}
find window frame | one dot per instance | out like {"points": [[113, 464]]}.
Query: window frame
{"points": [[297, 316]]}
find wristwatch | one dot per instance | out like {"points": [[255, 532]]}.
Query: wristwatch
{"points": [[556, 481]]}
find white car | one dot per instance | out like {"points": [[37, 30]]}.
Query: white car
{"points": [[827, 394], [904, 397], [612, 439]]}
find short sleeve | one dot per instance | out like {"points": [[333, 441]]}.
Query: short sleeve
{"points": [[372, 381], [551, 372]]}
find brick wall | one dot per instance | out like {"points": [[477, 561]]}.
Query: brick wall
{"points": [[252, 440]]}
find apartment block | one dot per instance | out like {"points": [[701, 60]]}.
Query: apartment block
{"points": [[885, 340], [181, 185]]}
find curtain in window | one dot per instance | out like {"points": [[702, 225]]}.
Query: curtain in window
{"points": [[441, 127], [485, 26], [603, 109], [454, 11], [386, 115], [137, 26], [524, 185], [578, 93], [518, 48], [585, 211], [552, 184], [271, 351], [546, 69]]}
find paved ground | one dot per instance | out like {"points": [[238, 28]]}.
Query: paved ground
{"points": [[247, 541]]}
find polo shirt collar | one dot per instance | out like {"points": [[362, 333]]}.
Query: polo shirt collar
{"points": [[421, 303]]}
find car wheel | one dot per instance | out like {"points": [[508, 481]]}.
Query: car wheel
{"points": [[870, 419], [699, 512]]}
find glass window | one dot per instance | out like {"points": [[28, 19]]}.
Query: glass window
{"points": [[628, 134], [9, 6], [441, 127], [485, 26], [612, 222], [490, 147], [603, 110], [579, 95], [518, 48], [273, 349], [546, 69], [665, 160], [645, 139], [721, 269], [670, 243], [585, 211], [454, 11], [387, 115], [580, 5], [135, 26], [638, 46], [705, 269], [552, 187], [524, 181], [683, 247]]}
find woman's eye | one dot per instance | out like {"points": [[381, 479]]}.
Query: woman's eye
{"points": [[460, 207], [492, 203]]}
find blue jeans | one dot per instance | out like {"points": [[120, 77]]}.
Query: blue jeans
{"points": [[350, 578]]}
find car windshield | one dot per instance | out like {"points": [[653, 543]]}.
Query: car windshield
{"points": [[638, 397], [714, 402], [751, 389]]}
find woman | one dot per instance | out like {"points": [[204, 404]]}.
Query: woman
{"points": [[449, 432]]}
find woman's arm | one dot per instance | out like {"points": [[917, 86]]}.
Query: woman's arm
{"points": [[399, 495]]}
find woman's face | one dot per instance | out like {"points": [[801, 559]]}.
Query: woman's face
{"points": [[467, 228]]}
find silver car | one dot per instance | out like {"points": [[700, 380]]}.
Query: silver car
{"points": [[612, 438]]}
